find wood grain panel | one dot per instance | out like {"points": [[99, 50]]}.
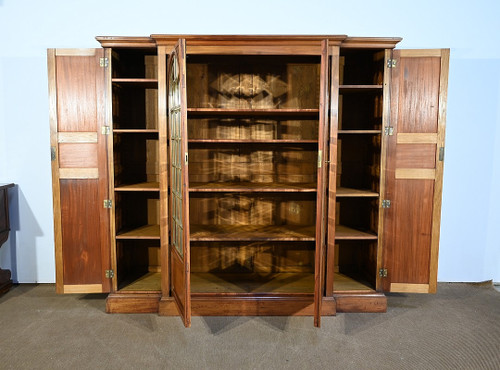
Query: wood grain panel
{"points": [[78, 173], [82, 289], [416, 156], [409, 288], [415, 173], [417, 138], [408, 237], [77, 94], [418, 94], [78, 155], [77, 137], [81, 240]]}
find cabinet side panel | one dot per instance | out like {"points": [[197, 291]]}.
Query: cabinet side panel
{"points": [[81, 232]]}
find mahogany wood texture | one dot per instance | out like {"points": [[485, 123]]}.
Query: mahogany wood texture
{"points": [[414, 171], [78, 97]]}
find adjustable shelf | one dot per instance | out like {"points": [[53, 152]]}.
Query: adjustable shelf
{"points": [[303, 112], [252, 233], [142, 232], [347, 233], [148, 83], [141, 186], [249, 187], [360, 131], [135, 131], [349, 192], [360, 88], [251, 141]]}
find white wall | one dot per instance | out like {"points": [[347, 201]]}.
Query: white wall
{"points": [[470, 243]]}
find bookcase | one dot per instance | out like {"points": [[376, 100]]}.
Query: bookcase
{"points": [[247, 175]]}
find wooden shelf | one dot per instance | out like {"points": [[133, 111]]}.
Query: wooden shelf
{"points": [[150, 282], [252, 187], [373, 132], [262, 283], [360, 88], [252, 112], [251, 141], [142, 186], [135, 131], [252, 233], [346, 283], [143, 232], [348, 192], [347, 233], [148, 83]]}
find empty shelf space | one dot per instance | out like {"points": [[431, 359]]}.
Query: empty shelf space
{"points": [[349, 192], [252, 187], [150, 282], [252, 112], [141, 186], [135, 131], [344, 283], [252, 141], [347, 233], [252, 233], [143, 232], [359, 88], [351, 132], [285, 283], [149, 83]]}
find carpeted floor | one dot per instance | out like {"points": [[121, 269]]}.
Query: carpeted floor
{"points": [[459, 328]]}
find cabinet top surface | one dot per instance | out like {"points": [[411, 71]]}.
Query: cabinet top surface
{"points": [[164, 39]]}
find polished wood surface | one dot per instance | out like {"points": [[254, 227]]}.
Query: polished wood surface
{"points": [[5, 275], [412, 166], [77, 97], [355, 302]]}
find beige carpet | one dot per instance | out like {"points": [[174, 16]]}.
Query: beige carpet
{"points": [[459, 328]]}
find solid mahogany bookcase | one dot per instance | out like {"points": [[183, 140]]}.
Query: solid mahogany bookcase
{"points": [[247, 175]]}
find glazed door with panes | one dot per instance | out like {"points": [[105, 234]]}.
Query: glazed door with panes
{"points": [[179, 233], [414, 174]]}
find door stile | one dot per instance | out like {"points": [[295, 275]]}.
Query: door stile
{"points": [[319, 266], [332, 168]]}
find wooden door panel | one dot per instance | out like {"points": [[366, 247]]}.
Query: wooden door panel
{"points": [[179, 196], [414, 170], [78, 98]]}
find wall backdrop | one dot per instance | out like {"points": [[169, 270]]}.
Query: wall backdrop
{"points": [[470, 241]]}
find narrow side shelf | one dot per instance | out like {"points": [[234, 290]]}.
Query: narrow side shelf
{"points": [[142, 232], [148, 83], [135, 131], [250, 141], [347, 233], [349, 192], [252, 233], [249, 187], [141, 186], [352, 132], [360, 88]]}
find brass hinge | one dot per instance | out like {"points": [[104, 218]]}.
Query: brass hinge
{"points": [[391, 63], [386, 203], [320, 158], [382, 273], [103, 62], [107, 203], [105, 130], [389, 130], [110, 274], [53, 153], [441, 153]]}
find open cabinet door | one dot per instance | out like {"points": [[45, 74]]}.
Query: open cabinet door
{"points": [[319, 266], [179, 196], [78, 99], [415, 152]]}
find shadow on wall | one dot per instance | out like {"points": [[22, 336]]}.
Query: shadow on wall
{"points": [[24, 229]]}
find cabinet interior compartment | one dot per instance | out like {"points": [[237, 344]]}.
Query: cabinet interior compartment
{"points": [[137, 215], [361, 66], [134, 63], [135, 158], [138, 265], [355, 265], [135, 106], [257, 267], [359, 214], [270, 128], [256, 163], [253, 82]]}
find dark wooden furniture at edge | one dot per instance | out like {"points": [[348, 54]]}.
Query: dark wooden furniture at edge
{"points": [[247, 175], [5, 275]]}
